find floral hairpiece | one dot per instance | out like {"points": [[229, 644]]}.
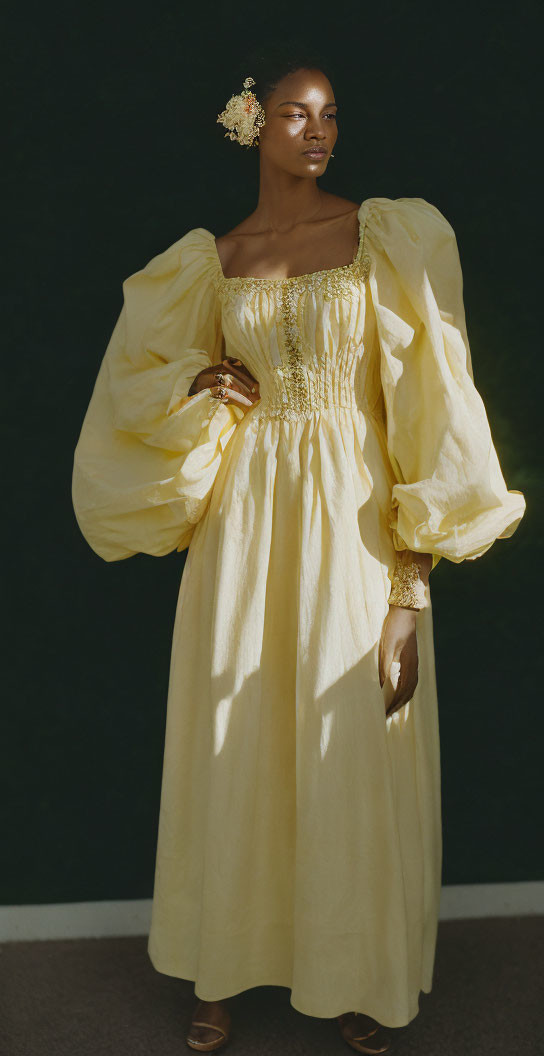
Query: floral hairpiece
{"points": [[243, 115]]}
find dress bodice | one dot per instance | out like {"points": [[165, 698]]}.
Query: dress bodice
{"points": [[302, 337]]}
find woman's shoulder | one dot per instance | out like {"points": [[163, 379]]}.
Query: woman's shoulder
{"points": [[186, 265], [409, 226], [194, 248], [227, 244], [405, 209]]}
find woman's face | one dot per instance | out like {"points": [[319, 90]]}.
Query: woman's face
{"points": [[300, 114]]}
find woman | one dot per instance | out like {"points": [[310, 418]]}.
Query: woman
{"points": [[294, 402]]}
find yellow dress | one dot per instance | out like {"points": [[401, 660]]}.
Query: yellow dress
{"points": [[299, 838]]}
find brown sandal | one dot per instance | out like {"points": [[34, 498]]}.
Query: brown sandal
{"points": [[383, 1042], [207, 1046]]}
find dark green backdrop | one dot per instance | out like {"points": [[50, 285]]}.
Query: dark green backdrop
{"points": [[114, 154]]}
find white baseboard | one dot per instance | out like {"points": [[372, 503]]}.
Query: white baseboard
{"points": [[95, 920], [466, 901], [75, 920]]}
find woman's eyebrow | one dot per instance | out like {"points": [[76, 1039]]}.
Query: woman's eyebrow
{"points": [[295, 102]]}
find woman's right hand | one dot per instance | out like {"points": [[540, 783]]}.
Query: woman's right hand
{"points": [[398, 642], [243, 389]]}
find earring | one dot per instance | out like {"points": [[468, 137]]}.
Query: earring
{"points": [[332, 155]]}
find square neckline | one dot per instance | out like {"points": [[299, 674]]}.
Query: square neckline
{"points": [[303, 275]]}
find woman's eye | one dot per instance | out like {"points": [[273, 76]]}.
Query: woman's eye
{"points": [[332, 116]]}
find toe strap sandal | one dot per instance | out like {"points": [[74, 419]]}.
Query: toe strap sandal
{"points": [[382, 1043], [207, 1046]]}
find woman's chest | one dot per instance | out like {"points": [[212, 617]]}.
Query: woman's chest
{"points": [[305, 318]]}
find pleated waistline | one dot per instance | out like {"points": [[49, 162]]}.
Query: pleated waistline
{"points": [[289, 412], [298, 394]]}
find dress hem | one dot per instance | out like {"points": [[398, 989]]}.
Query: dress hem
{"points": [[385, 1021]]}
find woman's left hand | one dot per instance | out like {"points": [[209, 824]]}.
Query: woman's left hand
{"points": [[399, 642]]}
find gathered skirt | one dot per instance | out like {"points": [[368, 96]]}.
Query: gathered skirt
{"points": [[299, 836]]}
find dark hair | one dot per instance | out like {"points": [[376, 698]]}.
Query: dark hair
{"points": [[269, 63]]}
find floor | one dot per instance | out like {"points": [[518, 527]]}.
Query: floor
{"points": [[97, 997]]}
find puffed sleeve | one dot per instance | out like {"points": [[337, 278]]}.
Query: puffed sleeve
{"points": [[148, 454], [450, 499]]}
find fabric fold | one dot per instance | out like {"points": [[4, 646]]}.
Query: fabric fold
{"points": [[148, 454], [450, 498]]}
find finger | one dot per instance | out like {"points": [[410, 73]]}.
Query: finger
{"points": [[242, 374], [400, 698], [250, 389], [406, 681], [237, 397], [239, 381], [387, 660], [232, 396], [408, 668], [403, 695], [396, 704], [409, 654], [234, 386], [397, 700], [237, 378]]}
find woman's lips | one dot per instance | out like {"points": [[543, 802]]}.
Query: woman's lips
{"points": [[315, 153]]}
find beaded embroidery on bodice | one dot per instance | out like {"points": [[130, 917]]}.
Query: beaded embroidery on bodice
{"points": [[299, 382]]}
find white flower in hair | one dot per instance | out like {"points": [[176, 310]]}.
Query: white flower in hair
{"points": [[243, 116]]}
